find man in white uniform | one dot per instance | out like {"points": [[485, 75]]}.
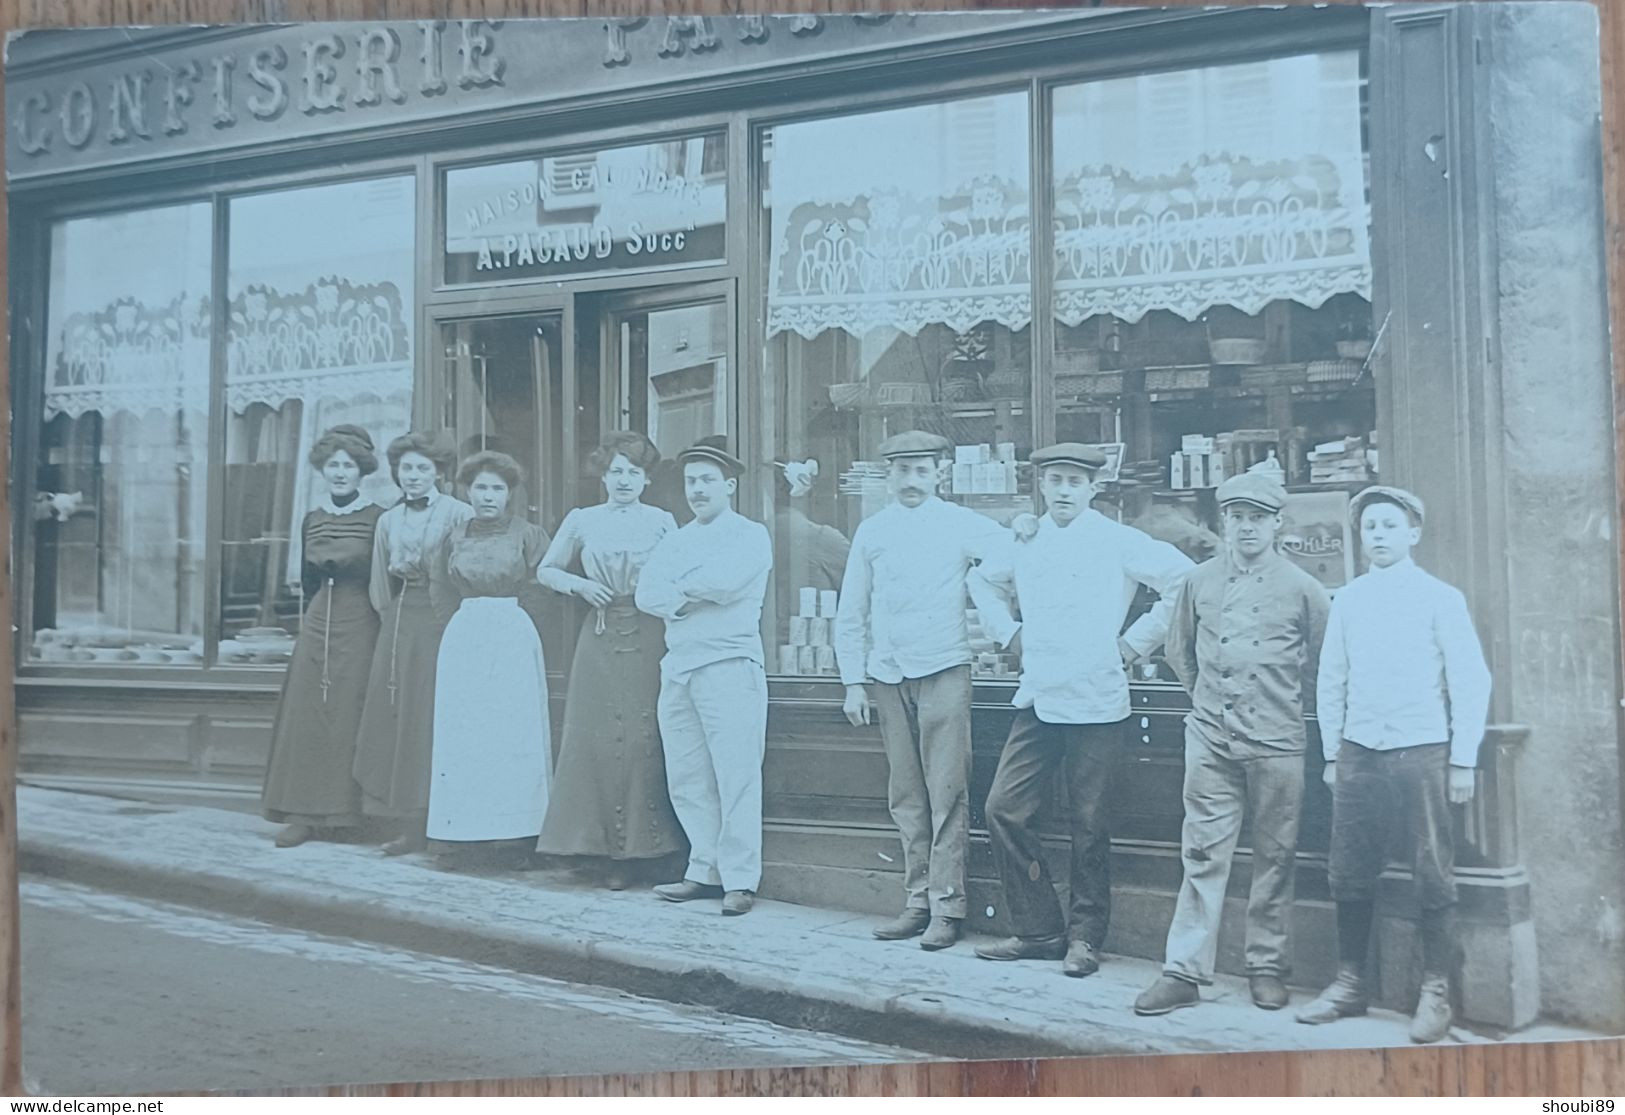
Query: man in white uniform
{"points": [[707, 581], [901, 622], [1073, 581]]}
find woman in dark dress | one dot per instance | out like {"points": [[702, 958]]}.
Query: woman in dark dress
{"points": [[408, 578], [308, 784], [609, 798], [492, 753]]}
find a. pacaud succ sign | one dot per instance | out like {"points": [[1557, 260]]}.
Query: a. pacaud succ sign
{"points": [[83, 99]]}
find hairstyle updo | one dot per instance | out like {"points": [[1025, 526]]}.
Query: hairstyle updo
{"points": [[423, 443], [498, 464], [344, 439], [630, 444]]}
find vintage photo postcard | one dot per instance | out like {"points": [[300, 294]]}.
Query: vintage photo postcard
{"points": [[576, 546]]}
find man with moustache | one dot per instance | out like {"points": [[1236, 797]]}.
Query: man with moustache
{"points": [[1244, 639], [707, 581], [901, 622], [1073, 581]]}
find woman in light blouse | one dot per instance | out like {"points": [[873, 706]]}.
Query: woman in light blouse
{"points": [[609, 798]]}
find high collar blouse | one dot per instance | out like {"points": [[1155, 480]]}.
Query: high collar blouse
{"points": [[612, 543]]}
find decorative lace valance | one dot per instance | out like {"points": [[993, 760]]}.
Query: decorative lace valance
{"points": [[1220, 232], [333, 340], [890, 260], [134, 358]]}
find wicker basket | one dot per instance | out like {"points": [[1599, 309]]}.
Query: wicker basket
{"points": [[1237, 350]]}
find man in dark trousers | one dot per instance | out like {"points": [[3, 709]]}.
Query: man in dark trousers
{"points": [[1073, 581]]}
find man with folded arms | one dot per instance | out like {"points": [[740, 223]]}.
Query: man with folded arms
{"points": [[1073, 581], [1244, 639], [707, 581], [901, 622]]}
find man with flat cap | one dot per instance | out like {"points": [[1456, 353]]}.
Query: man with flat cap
{"points": [[707, 581], [1404, 693], [1244, 639], [901, 623], [1073, 581]]}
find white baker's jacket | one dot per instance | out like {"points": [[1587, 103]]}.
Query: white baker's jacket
{"points": [[1074, 586]]}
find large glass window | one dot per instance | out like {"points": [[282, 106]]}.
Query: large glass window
{"points": [[899, 297], [647, 205], [319, 333], [121, 477], [1212, 294]]}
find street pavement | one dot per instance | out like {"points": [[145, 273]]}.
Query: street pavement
{"points": [[796, 966], [127, 995]]}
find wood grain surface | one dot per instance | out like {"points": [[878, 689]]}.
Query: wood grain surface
{"points": [[1591, 1069]]}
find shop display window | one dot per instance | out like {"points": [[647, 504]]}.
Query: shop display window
{"points": [[647, 205], [1213, 295], [319, 332], [899, 297], [121, 474]]}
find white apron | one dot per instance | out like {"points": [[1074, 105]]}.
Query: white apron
{"points": [[489, 774]]}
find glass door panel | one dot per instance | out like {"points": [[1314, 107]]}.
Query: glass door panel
{"points": [[666, 373], [504, 385]]}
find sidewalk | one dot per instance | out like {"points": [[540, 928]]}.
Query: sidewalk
{"points": [[793, 965]]}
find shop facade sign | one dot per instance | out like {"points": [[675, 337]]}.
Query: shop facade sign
{"points": [[248, 86]]}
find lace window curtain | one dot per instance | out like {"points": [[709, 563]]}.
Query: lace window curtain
{"points": [[1231, 185], [901, 219], [120, 494], [320, 329]]}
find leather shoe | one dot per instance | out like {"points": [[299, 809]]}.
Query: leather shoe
{"points": [[942, 933], [294, 835], [1080, 960], [1345, 997], [405, 844], [1268, 992], [1432, 1019], [1024, 948], [737, 902], [687, 890], [910, 923], [1168, 994]]}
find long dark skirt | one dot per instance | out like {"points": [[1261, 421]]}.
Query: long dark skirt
{"points": [[609, 791], [397, 725], [314, 738]]}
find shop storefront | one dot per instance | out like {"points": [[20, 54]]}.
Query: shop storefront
{"points": [[1201, 239]]}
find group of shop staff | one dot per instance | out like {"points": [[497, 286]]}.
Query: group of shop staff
{"points": [[418, 692]]}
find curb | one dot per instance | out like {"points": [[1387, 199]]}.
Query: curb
{"points": [[911, 1021]]}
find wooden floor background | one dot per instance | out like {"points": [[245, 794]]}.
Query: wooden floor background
{"points": [[1589, 1069]]}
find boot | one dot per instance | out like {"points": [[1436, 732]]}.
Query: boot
{"points": [[294, 835], [910, 923], [1168, 994], [1268, 991], [1432, 1019], [1080, 960], [942, 933], [1344, 998], [1024, 948], [687, 890]]}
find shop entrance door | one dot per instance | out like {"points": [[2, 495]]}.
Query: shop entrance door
{"points": [[661, 361]]}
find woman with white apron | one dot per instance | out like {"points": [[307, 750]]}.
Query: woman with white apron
{"points": [[490, 768]]}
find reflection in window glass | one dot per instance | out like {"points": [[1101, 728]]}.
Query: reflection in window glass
{"points": [[320, 333], [122, 472], [1212, 294], [648, 205], [899, 298]]}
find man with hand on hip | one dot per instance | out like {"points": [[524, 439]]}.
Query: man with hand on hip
{"points": [[1073, 580], [901, 622]]}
